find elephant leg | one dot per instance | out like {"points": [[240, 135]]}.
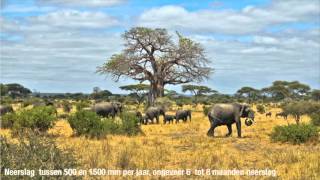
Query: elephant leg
{"points": [[238, 123], [157, 119], [211, 130], [229, 130]]}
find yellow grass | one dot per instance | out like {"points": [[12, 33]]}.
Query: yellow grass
{"points": [[186, 146]]}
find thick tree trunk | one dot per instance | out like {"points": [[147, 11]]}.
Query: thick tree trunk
{"points": [[156, 91]]}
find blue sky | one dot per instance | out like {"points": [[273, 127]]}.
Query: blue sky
{"points": [[56, 45]]}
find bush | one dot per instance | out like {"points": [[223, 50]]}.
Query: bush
{"points": [[206, 110], [294, 133], [31, 101], [82, 104], [260, 109], [87, 123], [34, 152], [164, 102], [315, 119], [7, 120], [39, 118], [66, 106], [130, 124]]}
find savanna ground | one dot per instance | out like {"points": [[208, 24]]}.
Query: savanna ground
{"points": [[186, 146]]}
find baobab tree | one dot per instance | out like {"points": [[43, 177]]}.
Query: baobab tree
{"points": [[152, 55]]}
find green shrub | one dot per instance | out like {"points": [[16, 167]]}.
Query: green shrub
{"points": [[206, 110], [33, 153], [7, 120], [82, 104], [315, 119], [164, 102], [260, 109], [294, 133], [66, 106], [31, 101], [129, 124], [39, 118], [87, 123]]}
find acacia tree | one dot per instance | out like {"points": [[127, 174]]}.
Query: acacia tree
{"points": [[197, 90], [138, 90], [151, 55], [249, 93]]}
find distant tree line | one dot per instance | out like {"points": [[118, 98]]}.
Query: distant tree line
{"points": [[279, 91]]}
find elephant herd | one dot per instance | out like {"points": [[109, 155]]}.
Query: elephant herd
{"points": [[106, 109], [218, 115]]}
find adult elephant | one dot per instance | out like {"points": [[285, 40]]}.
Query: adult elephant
{"points": [[183, 115], [4, 109], [227, 114], [106, 109], [154, 112]]}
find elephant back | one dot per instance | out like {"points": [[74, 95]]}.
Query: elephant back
{"points": [[217, 109]]}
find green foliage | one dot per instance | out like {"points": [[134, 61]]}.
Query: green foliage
{"points": [[6, 100], [164, 102], [180, 101], [299, 108], [104, 94], [249, 93], [39, 118], [3, 89], [31, 101], [87, 123], [35, 152], [82, 104], [315, 94], [138, 91], [66, 106], [315, 119], [130, 124], [261, 109], [294, 133], [206, 110], [13, 90], [7, 120]]}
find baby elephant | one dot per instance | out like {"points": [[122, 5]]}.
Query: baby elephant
{"points": [[268, 114], [169, 119]]}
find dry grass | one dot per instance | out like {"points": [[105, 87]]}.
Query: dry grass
{"points": [[186, 146]]}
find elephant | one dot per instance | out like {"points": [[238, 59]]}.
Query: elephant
{"points": [[4, 109], [106, 109], [183, 114], [268, 114], [282, 114], [154, 112], [227, 114], [169, 119]]}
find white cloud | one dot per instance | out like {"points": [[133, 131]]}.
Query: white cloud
{"points": [[265, 40], [84, 3], [250, 19], [74, 19]]}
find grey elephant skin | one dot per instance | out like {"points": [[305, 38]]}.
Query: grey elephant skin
{"points": [[4, 109], [227, 114], [106, 109], [168, 119], [154, 112], [183, 115]]}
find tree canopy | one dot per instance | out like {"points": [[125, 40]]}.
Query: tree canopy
{"points": [[151, 55]]}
